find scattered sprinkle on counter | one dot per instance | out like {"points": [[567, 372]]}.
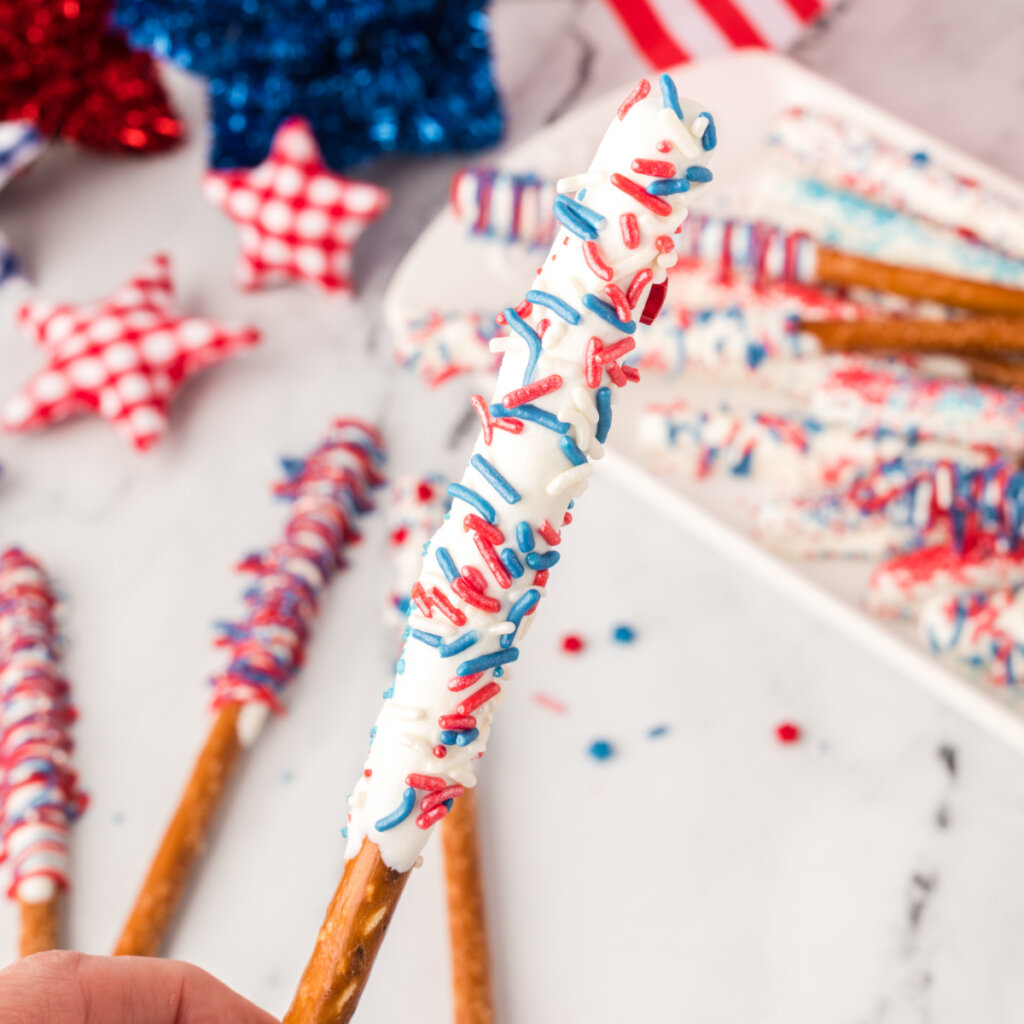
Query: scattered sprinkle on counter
{"points": [[656, 731], [601, 750], [788, 732], [623, 634], [573, 644]]}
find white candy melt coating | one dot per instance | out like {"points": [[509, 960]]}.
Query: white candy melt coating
{"points": [[535, 465], [843, 153]]}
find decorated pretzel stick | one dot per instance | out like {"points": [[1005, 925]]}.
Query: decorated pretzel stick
{"points": [[39, 795], [417, 509], [328, 490], [976, 335], [768, 252], [487, 567]]}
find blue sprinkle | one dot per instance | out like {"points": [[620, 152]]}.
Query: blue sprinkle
{"points": [[555, 304], [498, 672], [742, 468], [606, 311], [447, 737], [524, 536], [510, 560], [344, 831], [486, 661], [449, 804], [495, 479], [592, 217], [670, 96], [447, 563], [604, 414], [566, 215], [920, 157], [463, 739], [430, 639], [516, 613], [572, 450], [657, 730], [668, 186], [623, 634], [532, 414], [581, 195], [530, 336], [572, 502], [456, 646], [710, 137], [292, 467], [698, 173], [388, 693], [399, 814], [600, 750], [484, 507], [541, 562]]}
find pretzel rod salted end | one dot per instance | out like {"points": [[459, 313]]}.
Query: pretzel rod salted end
{"points": [[184, 839], [40, 925], [842, 268], [989, 335], [467, 922], [348, 941]]}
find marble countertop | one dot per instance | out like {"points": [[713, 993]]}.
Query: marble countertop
{"points": [[712, 874]]}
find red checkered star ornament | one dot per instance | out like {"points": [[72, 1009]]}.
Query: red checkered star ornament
{"points": [[122, 357], [299, 220]]}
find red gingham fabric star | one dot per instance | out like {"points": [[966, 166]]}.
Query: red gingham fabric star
{"points": [[122, 357], [299, 220]]}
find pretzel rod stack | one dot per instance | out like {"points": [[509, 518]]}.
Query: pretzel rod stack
{"points": [[39, 795], [487, 567], [328, 492]]}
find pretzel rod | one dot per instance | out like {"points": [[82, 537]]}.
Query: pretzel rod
{"points": [[952, 337], [184, 839], [39, 795], [841, 268], [993, 371], [328, 490], [467, 922], [768, 252], [40, 926], [486, 568]]}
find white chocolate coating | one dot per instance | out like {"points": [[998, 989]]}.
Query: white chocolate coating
{"points": [[540, 469]]}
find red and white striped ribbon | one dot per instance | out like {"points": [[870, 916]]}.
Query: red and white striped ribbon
{"points": [[669, 32]]}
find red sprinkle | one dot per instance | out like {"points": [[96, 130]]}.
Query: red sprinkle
{"points": [[788, 732], [494, 563], [636, 191], [641, 279], [535, 390], [664, 146], [489, 422], [543, 325], [431, 783], [475, 578], [436, 599], [525, 308], [457, 722], [549, 533], [654, 168], [630, 231], [457, 683], [596, 261], [540, 580], [573, 644], [440, 751], [485, 529], [424, 492], [475, 700], [643, 89], [367, 772], [398, 536], [472, 596], [664, 243], [428, 819], [567, 519], [442, 795], [617, 297]]}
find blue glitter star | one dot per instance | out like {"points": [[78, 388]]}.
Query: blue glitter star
{"points": [[373, 76]]}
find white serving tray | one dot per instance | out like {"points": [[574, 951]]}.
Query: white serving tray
{"points": [[447, 269]]}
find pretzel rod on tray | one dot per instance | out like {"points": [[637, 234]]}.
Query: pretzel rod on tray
{"points": [[976, 335], [487, 567], [328, 490], [39, 795], [769, 252]]}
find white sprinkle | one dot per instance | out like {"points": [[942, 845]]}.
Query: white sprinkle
{"points": [[404, 712], [678, 134]]}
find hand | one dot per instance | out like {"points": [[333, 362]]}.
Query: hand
{"points": [[70, 988]]}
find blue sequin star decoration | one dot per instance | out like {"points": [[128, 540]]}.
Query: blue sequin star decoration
{"points": [[372, 76]]}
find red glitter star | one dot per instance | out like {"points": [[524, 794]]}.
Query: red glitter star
{"points": [[299, 220], [63, 68], [121, 358]]}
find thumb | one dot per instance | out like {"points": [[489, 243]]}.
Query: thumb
{"points": [[76, 989]]}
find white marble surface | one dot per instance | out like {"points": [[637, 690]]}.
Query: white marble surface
{"points": [[710, 875]]}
